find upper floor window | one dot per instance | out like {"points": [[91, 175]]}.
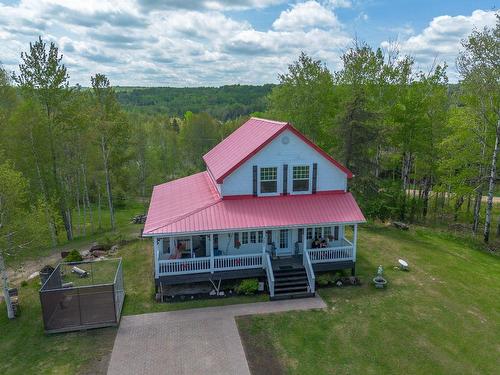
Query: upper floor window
{"points": [[300, 178], [268, 180]]}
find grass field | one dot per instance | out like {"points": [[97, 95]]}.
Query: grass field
{"points": [[442, 317], [25, 349]]}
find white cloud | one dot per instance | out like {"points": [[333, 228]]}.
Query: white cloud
{"points": [[161, 46], [340, 3], [303, 15], [440, 40]]}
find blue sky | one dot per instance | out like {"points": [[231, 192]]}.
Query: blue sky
{"points": [[216, 42]]}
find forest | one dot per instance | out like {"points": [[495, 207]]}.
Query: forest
{"points": [[422, 150], [224, 103]]}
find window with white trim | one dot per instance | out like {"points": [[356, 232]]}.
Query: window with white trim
{"points": [[260, 236], [268, 180], [300, 178], [253, 237], [327, 231], [309, 233], [244, 238]]}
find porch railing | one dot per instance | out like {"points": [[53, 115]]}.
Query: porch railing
{"points": [[311, 278], [181, 266], [208, 264], [237, 262], [330, 254], [266, 259]]}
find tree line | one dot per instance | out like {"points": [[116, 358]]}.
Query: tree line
{"points": [[415, 143], [419, 147], [70, 156]]}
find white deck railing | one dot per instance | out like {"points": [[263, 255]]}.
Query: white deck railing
{"points": [[331, 254], [205, 264], [182, 266], [311, 278], [237, 262], [266, 259]]}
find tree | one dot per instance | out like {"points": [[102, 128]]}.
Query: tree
{"points": [[479, 66], [305, 97], [198, 135], [111, 130], [13, 188], [44, 77]]}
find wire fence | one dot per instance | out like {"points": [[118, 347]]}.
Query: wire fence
{"points": [[83, 295]]}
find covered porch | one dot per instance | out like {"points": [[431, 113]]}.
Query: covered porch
{"points": [[215, 253]]}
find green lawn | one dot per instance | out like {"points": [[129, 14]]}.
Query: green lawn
{"points": [[442, 317], [25, 349]]}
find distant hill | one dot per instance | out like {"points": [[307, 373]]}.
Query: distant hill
{"points": [[223, 103]]}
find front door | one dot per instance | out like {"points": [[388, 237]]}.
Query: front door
{"points": [[284, 243]]}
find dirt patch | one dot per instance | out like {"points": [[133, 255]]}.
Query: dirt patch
{"points": [[261, 354]]}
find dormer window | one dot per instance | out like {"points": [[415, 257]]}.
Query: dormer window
{"points": [[301, 176], [268, 180]]}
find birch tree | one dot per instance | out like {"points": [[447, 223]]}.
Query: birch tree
{"points": [[479, 66], [111, 131], [43, 76]]}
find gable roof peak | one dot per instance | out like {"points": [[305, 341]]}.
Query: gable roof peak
{"points": [[249, 139]]}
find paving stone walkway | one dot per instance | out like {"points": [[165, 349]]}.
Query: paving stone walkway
{"points": [[195, 341]]}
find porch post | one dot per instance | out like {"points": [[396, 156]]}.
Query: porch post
{"points": [[172, 245], [264, 247], [156, 246], [354, 241], [304, 241], [211, 252]]}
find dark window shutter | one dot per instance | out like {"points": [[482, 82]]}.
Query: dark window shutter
{"points": [[315, 177], [255, 180], [285, 179]]}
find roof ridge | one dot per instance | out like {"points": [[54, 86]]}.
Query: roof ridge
{"points": [[270, 121], [181, 217]]}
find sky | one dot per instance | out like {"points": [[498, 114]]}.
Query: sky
{"points": [[218, 42]]}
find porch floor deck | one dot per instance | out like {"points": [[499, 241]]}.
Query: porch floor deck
{"points": [[288, 262]]}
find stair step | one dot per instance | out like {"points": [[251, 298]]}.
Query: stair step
{"points": [[291, 278], [297, 288], [292, 295], [294, 269], [286, 274], [290, 283]]}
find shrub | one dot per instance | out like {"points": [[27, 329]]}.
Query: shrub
{"points": [[326, 278], [24, 283], [247, 287], [323, 279], [73, 256]]}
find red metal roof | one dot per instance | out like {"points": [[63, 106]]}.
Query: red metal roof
{"points": [[173, 200], [192, 204], [246, 141]]}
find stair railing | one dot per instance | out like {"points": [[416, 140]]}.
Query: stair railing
{"points": [[311, 278], [266, 261]]}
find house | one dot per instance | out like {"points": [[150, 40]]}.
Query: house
{"points": [[271, 204]]}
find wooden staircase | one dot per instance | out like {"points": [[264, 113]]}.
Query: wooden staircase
{"points": [[291, 282]]}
